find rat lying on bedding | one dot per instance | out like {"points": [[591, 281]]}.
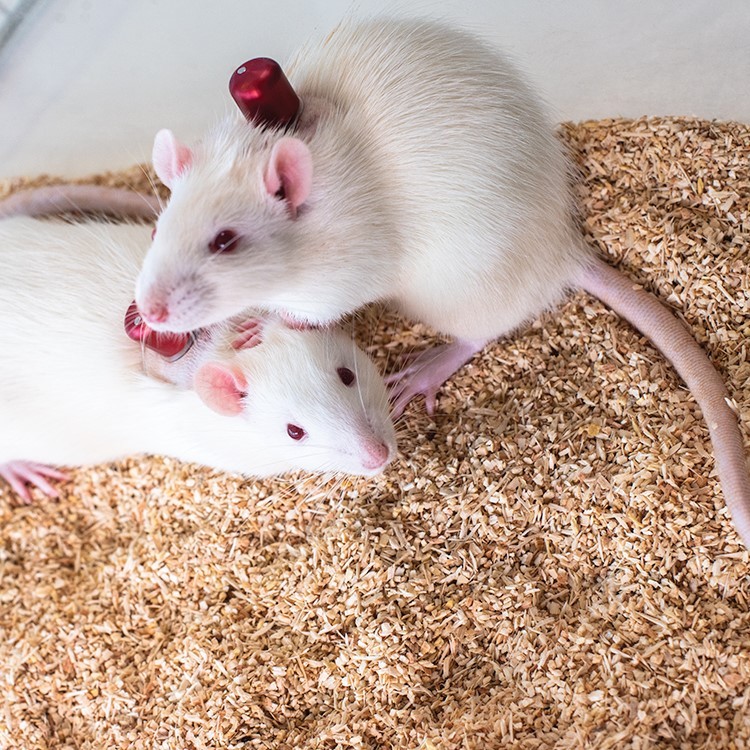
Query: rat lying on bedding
{"points": [[76, 390]]}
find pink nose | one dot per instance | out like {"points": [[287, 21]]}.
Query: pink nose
{"points": [[376, 455], [155, 313]]}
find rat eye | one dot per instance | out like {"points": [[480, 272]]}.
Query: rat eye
{"points": [[223, 242], [294, 432], [346, 375], [153, 233]]}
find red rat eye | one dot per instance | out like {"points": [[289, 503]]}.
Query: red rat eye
{"points": [[224, 241], [294, 432], [346, 375], [153, 233]]}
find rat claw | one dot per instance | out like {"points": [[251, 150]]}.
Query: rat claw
{"points": [[406, 386], [42, 484], [249, 324], [18, 487], [430, 401]]}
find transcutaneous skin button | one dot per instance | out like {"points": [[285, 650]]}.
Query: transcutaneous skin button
{"points": [[171, 346], [263, 93]]}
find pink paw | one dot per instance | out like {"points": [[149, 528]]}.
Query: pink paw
{"points": [[249, 333], [414, 380], [20, 474], [426, 371]]}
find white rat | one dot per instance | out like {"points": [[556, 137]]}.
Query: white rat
{"points": [[422, 172], [74, 388]]}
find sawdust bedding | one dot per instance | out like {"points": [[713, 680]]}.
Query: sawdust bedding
{"points": [[548, 563]]}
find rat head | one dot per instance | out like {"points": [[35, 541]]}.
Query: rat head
{"points": [[227, 238], [316, 399]]}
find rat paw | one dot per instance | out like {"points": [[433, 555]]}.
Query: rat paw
{"points": [[409, 387], [249, 333], [426, 372], [20, 475]]}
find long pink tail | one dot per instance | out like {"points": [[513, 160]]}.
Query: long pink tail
{"points": [[666, 331], [55, 199]]}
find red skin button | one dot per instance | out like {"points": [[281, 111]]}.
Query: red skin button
{"points": [[171, 346], [263, 93]]}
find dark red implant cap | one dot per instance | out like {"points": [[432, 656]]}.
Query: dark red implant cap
{"points": [[170, 345], [263, 93]]}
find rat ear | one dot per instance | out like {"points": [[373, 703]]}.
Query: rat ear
{"points": [[221, 388], [289, 172], [170, 157]]}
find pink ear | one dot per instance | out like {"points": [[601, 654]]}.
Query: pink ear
{"points": [[170, 157], [290, 171], [221, 388]]}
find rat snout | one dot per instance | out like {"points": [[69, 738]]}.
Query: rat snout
{"points": [[375, 454], [155, 312], [152, 303], [177, 303]]}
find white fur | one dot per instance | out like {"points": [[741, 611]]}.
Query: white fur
{"points": [[73, 384], [438, 185]]}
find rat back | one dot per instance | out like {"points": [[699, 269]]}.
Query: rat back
{"points": [[469, 170], [72, 389]]}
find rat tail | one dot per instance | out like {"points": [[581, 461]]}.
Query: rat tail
{"points": [[646, 313], [56, 199]]}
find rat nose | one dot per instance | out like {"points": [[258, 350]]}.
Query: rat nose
{"points": [[376, 454], [157, 312]]}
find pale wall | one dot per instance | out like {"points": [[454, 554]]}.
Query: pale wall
{"points": [[85, 84]]}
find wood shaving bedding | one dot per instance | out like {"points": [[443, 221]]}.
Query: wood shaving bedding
{"points": [[548, 563]]}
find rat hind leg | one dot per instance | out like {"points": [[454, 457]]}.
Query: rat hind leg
{"points": [[427, 371], [20, 474]]}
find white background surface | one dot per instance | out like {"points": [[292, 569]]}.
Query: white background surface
{"points": [[85, 84]]}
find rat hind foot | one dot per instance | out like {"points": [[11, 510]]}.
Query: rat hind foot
{"points": [[20, 474], [427, 371]]}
